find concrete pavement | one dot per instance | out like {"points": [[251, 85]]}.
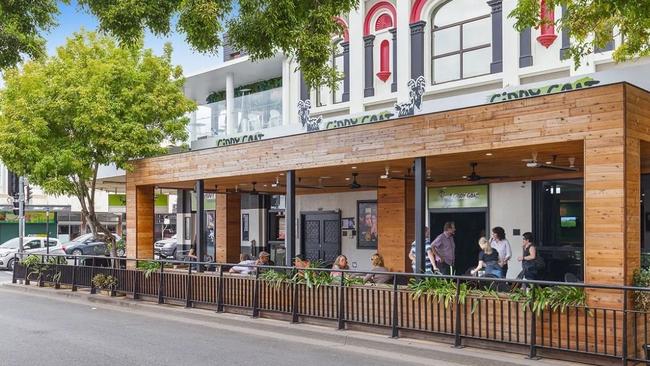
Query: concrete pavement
{"points": [[79, 329], [5, 276]]}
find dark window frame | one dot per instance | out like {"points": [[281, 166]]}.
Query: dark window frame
{"points": [[331, 96]]}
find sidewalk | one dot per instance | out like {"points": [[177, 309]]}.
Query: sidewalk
{"points": [[400, 350]]}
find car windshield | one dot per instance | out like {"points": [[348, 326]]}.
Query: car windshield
{"points": [[10, 244]]}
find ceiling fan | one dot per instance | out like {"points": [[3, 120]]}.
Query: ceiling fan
{"points": [[354, 184], [408, 175], [277, 184], [252, 191], [533, 163], [473, 177]]}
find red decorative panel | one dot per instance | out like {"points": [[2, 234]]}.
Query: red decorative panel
{"points": [[547, 28], [384, 61], [384, 21]]}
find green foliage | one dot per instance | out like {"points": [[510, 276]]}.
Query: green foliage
{"points": [[593, 23], [149, 267], [645, 260], [275, 278], [642, 298], [21, 24], [104, 282], [440, 289], [312, 277], [34, 266], [91, 104], [353, 281], [260, 86], [299, 28], [554, 298]]}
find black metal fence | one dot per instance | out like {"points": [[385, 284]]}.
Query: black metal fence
{"points": [[593, 320]]}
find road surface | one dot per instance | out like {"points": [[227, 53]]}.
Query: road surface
{"points": [[5, 277]]}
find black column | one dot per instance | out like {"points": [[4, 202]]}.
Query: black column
{"points": [[566, 39], [393, 86], [420, 212], [304, 90], [290, 217], [497, 36], [368, 45], [525, 46], [346, 70], [201, 243], [417, 49]]}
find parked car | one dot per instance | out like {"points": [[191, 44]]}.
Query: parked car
{"points": [[88, 244], [31, 245], [166, 248]]}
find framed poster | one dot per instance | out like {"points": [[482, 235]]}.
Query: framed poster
{"points": [[244, 227], [367, 237]]}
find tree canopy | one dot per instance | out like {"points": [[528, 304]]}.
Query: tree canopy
{"points": [[593, 23], [300, 28], [92, 104]]}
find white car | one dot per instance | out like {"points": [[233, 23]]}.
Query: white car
{"points": [[31, 245]]}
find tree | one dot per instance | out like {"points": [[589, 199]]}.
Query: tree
{"points": [[593, 23], [92, 104], [300, 28]]}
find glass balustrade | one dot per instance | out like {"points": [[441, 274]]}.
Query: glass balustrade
{"points": [[250, 113]]}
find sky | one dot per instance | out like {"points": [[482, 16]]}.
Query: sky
{"points": [[71, 19]]}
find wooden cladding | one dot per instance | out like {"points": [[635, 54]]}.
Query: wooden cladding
{"points": [[228, 228], [396, 215], [140, 220]]}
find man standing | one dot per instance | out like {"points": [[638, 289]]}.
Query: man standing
{"points": [[428, 259], [444, 249]]}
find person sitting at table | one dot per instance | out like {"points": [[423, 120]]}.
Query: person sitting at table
{"points": [[341, 262], [488, 258], [378, 266], [243, 266], [264, 259]]}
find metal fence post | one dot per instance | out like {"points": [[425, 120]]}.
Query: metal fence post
{"points": [[41, 280], [57, 266], [256, 294], [188, 288], [457, 339], [136, 274], [13, 275], [112, 291], [161, 299], [74, 274], [92, 273], [220, 286], [532, 354], [625, 335], [394, 319], [341, 323], [294, 303]]}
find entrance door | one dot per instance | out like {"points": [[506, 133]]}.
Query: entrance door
{"points": [[470, 226], [321, 236]]}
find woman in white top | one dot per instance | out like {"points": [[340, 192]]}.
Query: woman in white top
{"points": [[499, 242]]}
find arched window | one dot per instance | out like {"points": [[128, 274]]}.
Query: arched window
{"points": [[325, 95], [461, 36]]}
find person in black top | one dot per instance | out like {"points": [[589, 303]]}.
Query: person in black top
{"points": [[529, 261], [488, 258]]}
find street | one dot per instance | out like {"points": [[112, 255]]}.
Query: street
{"points": [[5, 276], [69, 333]]}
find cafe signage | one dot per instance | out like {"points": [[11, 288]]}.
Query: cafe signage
{"points": [[459, 197], [581, 83]]}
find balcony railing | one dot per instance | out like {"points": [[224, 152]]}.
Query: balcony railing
{"points": [[251, 112]]}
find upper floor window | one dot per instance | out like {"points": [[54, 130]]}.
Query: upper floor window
{"points": [[325, 95], [461, 36]]}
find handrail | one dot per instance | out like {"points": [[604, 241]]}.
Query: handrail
{"points": [[351, 271]]}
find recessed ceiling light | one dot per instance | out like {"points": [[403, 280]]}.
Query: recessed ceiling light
{"points": [[281, 173], [488, 154], [348, 178], [354, 167], [549, 162], [265, 185], [464, 177]]}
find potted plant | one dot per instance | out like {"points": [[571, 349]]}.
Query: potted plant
{"points": [[106, 283]]}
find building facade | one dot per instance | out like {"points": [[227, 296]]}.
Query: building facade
{"points": [[444, 112]]}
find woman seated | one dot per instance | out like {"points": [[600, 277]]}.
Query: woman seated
{"points": [[341, 262], [377, 266], [488, 258]]}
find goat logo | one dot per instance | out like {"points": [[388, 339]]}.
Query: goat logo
{"points": [[416, 89], [310, 123]]}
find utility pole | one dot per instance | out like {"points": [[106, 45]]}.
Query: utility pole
{"points": [[21, 214]]}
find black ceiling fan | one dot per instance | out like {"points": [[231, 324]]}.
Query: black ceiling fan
{"points": [[473, 177], [407, 176], [354, 184], [533, 163]]}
